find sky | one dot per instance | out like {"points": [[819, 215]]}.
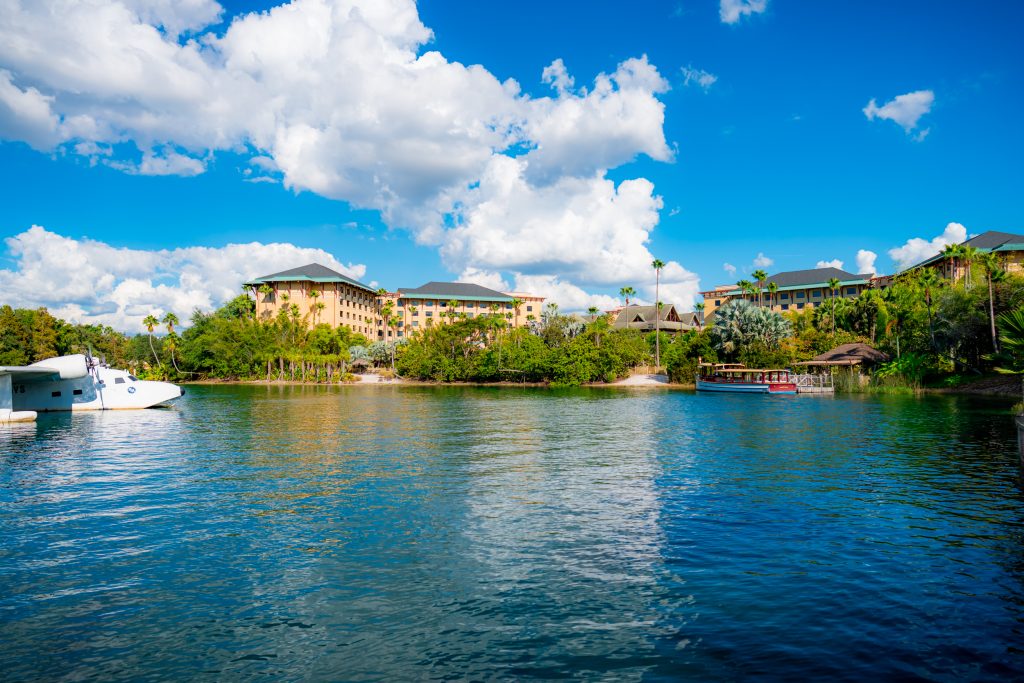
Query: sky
{"points": [[155, 154]]}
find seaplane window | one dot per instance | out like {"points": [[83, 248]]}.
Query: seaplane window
{"points": [[133, 378], [77, 392], [55, 394], [119, 380]]}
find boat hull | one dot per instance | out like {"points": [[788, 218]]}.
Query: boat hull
{"points": [[747, 387]]}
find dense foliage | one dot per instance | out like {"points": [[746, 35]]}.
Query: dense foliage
{"points": [[932, 329]]}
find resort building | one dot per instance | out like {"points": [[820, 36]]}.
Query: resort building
{"points": [[436, 303], [953, 266], [793, 290], [643, 318], [317, 294]]}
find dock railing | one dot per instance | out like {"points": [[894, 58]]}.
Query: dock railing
{"points": [[811, 383]]}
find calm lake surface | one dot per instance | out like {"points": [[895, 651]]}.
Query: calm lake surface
{"points": [[395, 533]]}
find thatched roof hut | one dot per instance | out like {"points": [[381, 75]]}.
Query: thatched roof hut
{"points": [[847, 355]]}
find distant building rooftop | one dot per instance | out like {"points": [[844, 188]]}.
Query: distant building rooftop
{"points": [[313, 272], [453, 290], [856, 353], [801, 279], [990, 240]]}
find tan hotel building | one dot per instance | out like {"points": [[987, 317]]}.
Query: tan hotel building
{"points": [[798, 289], [357, 306]]}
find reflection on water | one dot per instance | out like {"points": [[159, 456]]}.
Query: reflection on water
{"points": [[398, 532]]}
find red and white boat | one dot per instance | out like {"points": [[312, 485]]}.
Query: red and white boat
{"points": [[736, 377]]}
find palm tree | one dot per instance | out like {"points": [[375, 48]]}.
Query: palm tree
{"points": [[969, 255], [833, 285], [393, 323], [744, 286], [625, 293], [657, 264], [151, 322], [413, 310], [773, 290], [451, 313], [319, 306], [593, 313], [951, 252], [171, 320], [699, 310], [265, 290], [993, 273], [760, 276], [929, 280], [517, 304], [314, 295]]}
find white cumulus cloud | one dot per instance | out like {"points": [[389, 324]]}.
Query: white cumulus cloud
{"points": [[834, 263], [731, 11], [87, 281], [762, 261], [729, 268], [341, 98], [904, 110], [917, 249], [866, 261]]}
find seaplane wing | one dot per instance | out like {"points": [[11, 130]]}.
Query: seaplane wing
{"points": [[26, 374]]}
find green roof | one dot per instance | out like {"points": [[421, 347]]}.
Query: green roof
{"points": [[454, 290]]}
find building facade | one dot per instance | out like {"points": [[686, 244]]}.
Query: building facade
{"points": [[796, 290], [316, 294]]}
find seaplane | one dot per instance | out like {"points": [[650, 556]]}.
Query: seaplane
{"points": [[76, 382]]}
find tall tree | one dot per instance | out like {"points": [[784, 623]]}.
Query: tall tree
{"points": [[657, 264], [993, 273], [592, 311], [773, 290], [171, 320], [517, 305], [929, 281], [968, 257], [760, 275], [625, 293], [699, 310], [833, 285], [265, 290], [150, 321]]}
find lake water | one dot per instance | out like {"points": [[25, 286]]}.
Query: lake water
{"points": [[395, 533]]}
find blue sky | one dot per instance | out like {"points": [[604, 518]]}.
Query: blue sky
{"points": [[775, 157]]}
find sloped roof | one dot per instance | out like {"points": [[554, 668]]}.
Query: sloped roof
{"points": [[814, 276], [992, 239], [453, 290], [637, 315], [312, 272], [849, 354]]}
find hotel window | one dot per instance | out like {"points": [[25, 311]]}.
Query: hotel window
{"points": [[430, 314], [785, 307], [428, 303], [415, 323], [508, 306], [784, 296], [529, 308], [799, 305], [799, 295], [469, 315], [816, 294], [443, 304], [718, 302], [399, 333], [852, 291]]}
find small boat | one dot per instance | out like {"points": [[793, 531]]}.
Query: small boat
{"points": [[739, 378]]}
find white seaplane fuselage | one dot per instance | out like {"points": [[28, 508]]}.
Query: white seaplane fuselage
{"points": [[76, 383]]}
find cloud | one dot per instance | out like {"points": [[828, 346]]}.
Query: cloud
{"points": [[341, 98], [731, 11], [834, 263], [762, 261], [917, 249], [904, 110], [698, 77], [87, 281], [866, 261], [729, 268]]}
